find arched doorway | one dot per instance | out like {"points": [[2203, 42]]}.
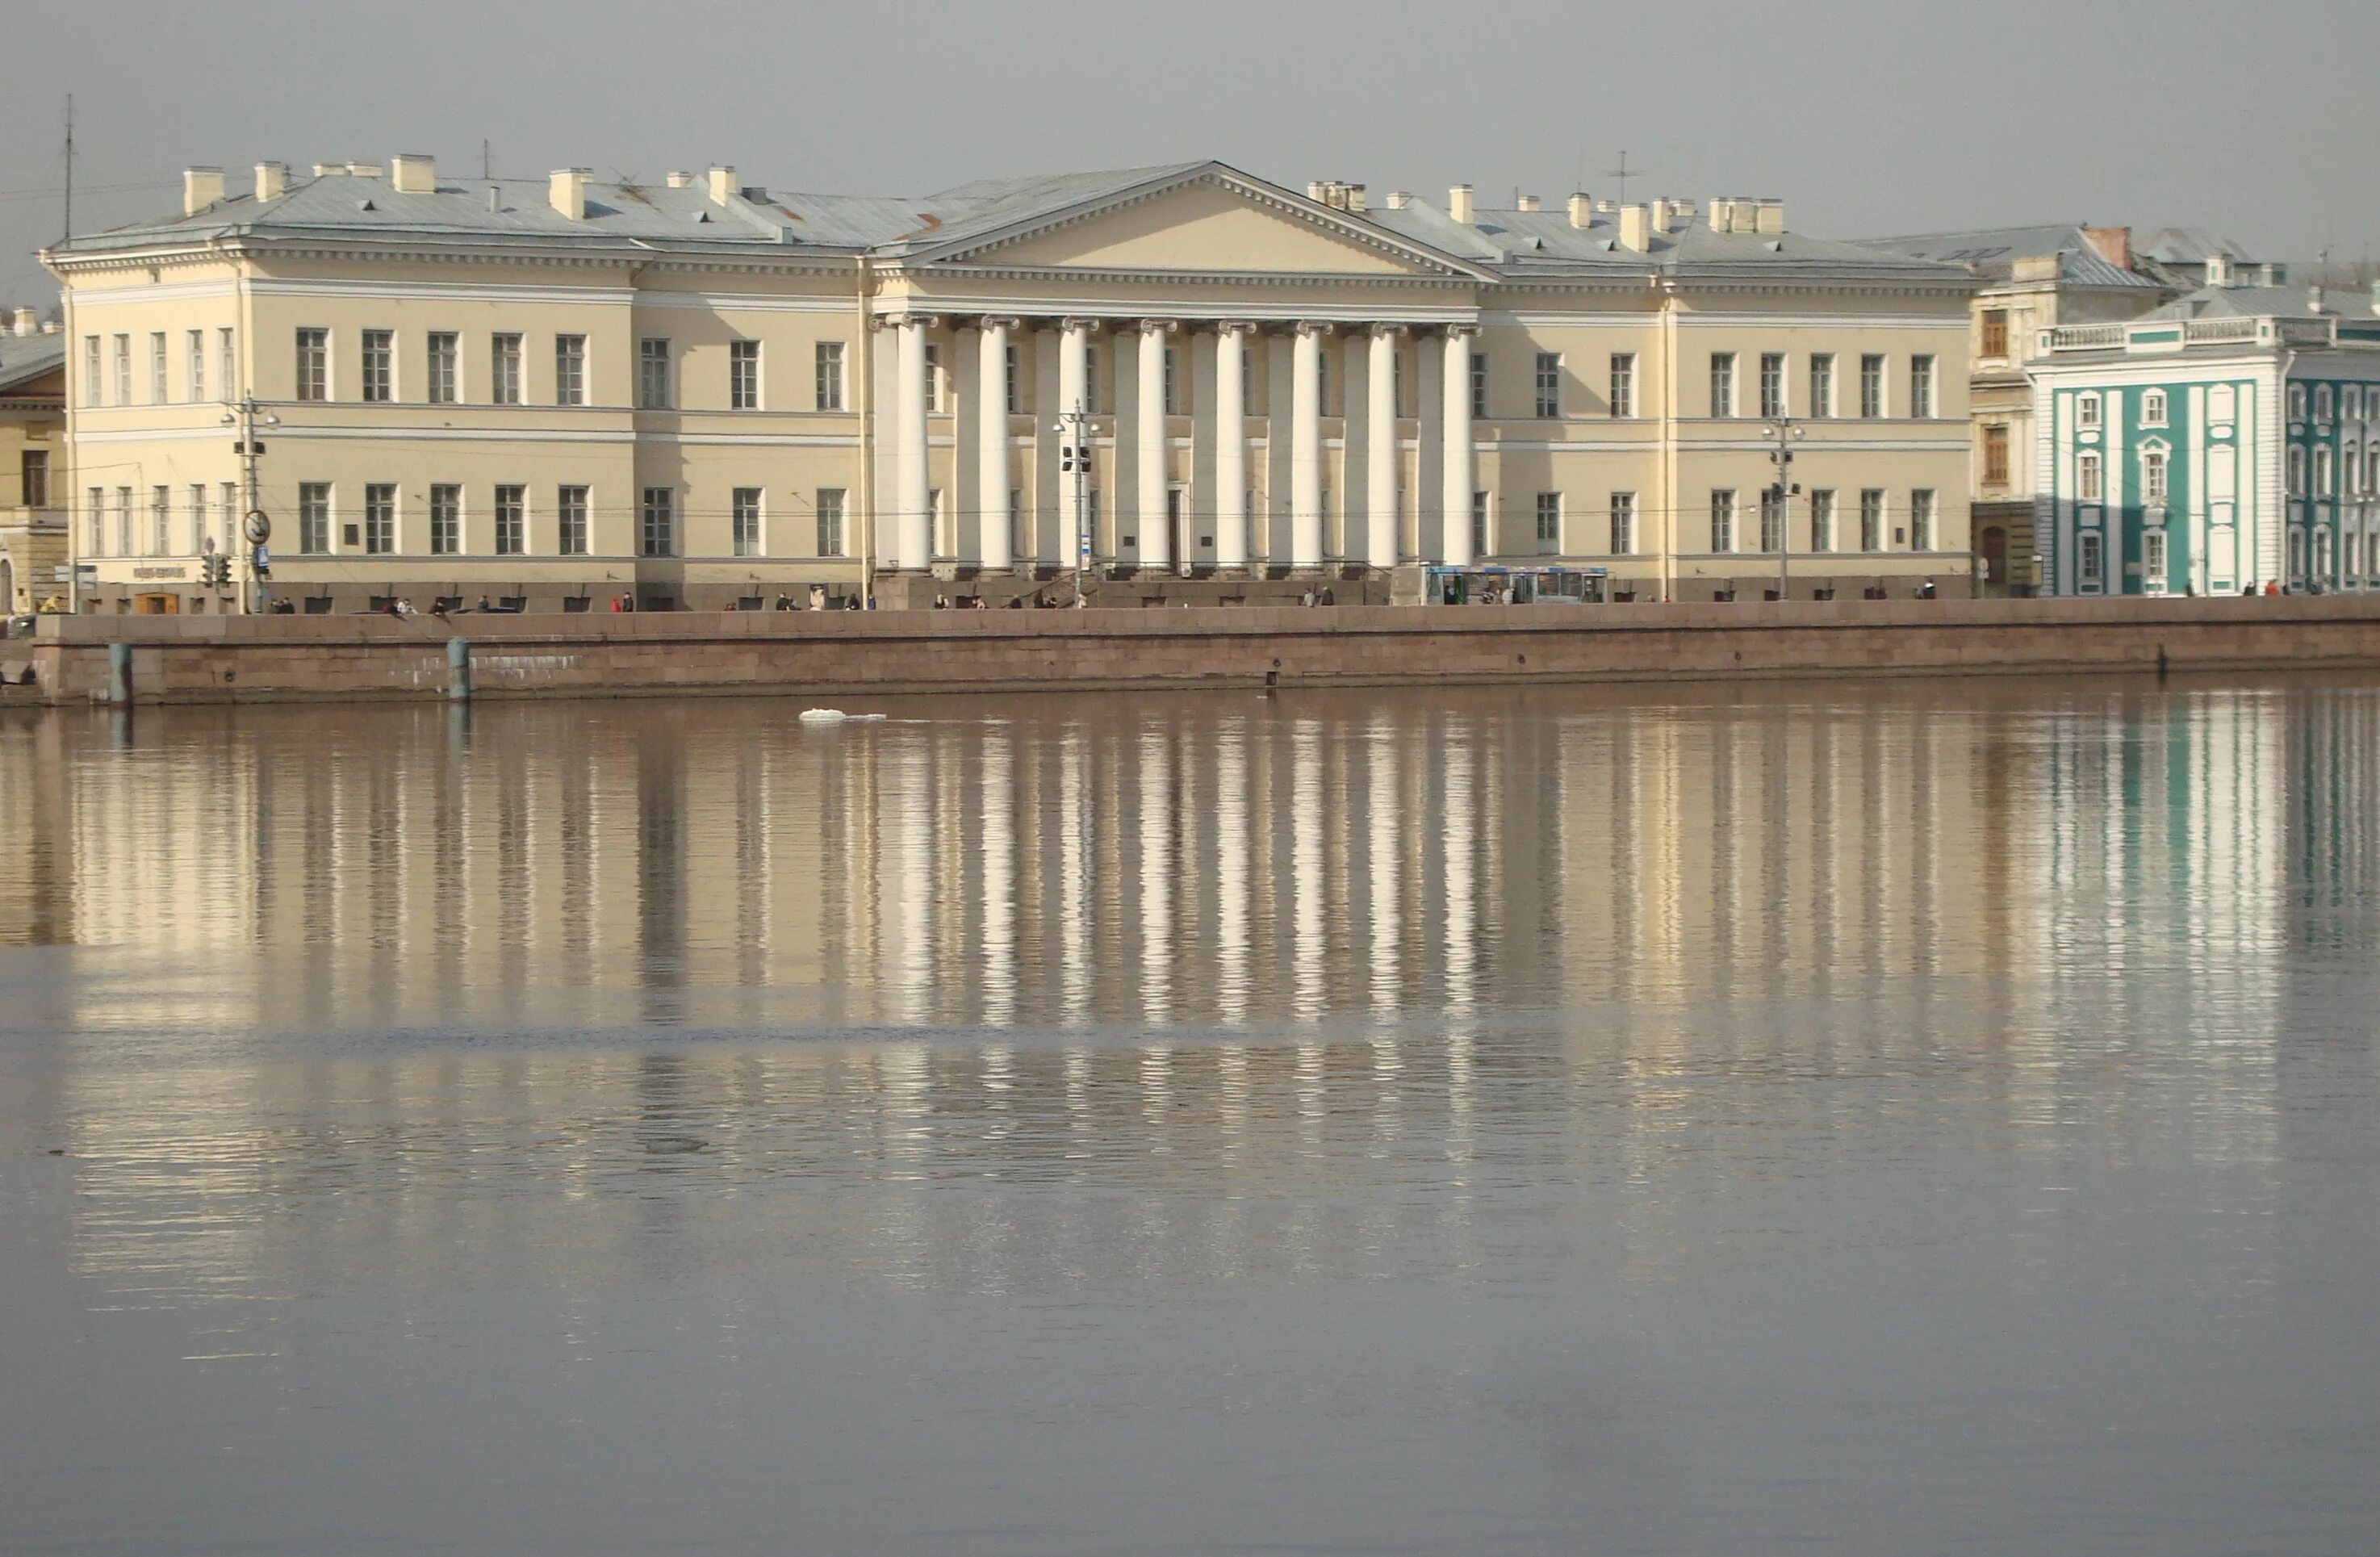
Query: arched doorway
{"points": [[1991, 555], [8, 586]]}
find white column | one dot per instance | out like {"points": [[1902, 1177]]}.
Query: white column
{"points": [[1305, 447], [1380, 446], [1454, 539], [1230, 446], [993, 543], [1073, 368], [1149, 413], [913, 533]]}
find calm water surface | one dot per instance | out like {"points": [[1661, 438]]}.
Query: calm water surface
{"points": [[1938, 1118]]}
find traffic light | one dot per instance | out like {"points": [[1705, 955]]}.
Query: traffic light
{"points": [[1072, 457]]}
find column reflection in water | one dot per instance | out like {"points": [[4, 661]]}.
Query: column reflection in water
{"points": [[1156, 873], [1232, 870], [999, 876], [1306, 821], [1386, 835], [1074, 883]]}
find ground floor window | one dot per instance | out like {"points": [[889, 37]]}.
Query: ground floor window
{"points": [[570, 521], [744, 507], [380, 518], [2089, 560], [2297, 555], [1722, 519], [830, 521], [1772, 519], [1822, 519], [1548, 522], [657, 534], [445, 520], [511, 521], [1623, 523], [1921, 519], [2153, 560], [1480, 524], [314, 518], [1871, 520]]}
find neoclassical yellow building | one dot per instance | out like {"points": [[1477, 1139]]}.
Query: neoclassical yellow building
{"points": [[703, 394]]}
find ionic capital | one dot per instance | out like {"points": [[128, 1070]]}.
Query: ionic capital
{"points": [[1235, 327], [1158, 326], [1384, 328], [1000, 321], [1314, 327]]}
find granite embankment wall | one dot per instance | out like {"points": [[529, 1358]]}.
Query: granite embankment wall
{"points": [[200, 659]]}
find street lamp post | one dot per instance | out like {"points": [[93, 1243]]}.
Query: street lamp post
{"points": [[1073, 430], [254, 527], [1783, 434]]}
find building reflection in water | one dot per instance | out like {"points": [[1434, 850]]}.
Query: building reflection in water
{"points": [[1226, 939]]}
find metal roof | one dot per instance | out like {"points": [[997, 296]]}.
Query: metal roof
{"points": [[1992, 253], [26, 357], [2266, 302], [1524, 245]]}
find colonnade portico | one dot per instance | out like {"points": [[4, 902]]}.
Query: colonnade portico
{"points": [[1218, 482]]}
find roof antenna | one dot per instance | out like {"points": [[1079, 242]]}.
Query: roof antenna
{"points": [[1623, 173], [484, 162], [69, 232]]}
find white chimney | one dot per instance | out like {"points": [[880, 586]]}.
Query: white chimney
{"points": [[679, 180], [329, 170], [271, 181], [722, 183], [1357, 200], [27, 322], [415, 173], [1458, 204], [1400, 199], [567, 191], [1582, 211], [2218, 269], [1769, 216], [201, 187], [365, 170], [1635, 228], [1526, 202]]}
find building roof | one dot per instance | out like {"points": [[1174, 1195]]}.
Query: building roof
{"points": [[2267, 302], [1992, 253], [2189, 246], [348, 207], [24, 359]]}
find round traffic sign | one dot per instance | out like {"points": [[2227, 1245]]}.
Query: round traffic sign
{"points": [[257, 528]]}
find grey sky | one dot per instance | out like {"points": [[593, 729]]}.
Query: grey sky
{"points": [[1868, 118]]}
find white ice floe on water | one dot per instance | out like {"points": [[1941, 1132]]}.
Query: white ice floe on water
{"points": [[832, 716]]}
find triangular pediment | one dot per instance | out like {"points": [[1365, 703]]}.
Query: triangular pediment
{"points": [[1213, 222]]}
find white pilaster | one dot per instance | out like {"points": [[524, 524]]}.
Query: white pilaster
{"points": [[1305, 446], [1454, 539], [1230, 446], [1380, 446], [993, 544], [912, 534], [1148, 414]]}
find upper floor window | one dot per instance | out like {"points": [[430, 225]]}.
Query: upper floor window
{"points": [[2297, 402], [2322, 402], [744, 377], [1772, 383], [2089, 486], [157, 393], [445, 385], [830, 375], [1548, 385], [1173, 381], [1479, 384], [653, 374], [91, 378], [1920, 385], [227, 364], [2153, 477], [313, 364], [2086, 412], [1623, 384], [124, 370], [1995, 455], [1871, 386], [33, 468], [504, 370], [1722, 386], [194, 366], [2326, 482], [379, 365], [570, 370], [2351, 403], [2297, 464], [1994, 332], [2152, 408], [1821, 383], [1013, 390]]}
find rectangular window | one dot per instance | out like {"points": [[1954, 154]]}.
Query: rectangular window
{"points": [[744, 377], [1623, 384], [314, 518], [1173, 381], [2152, 408], [445, 519], [1822, 519], [313, 364], [380, 519], [228, 500], [161, 509], [504, 370], [124, 370], [1722, 383], [124, 521], [1821, 385], [511, 515], [1013, 390], [2322, 402], [34, 470], [1995, 455], [1871, 386], [1549, 511], [2153, 560], [1995, 342], [1479, 547], [2089, 487], [1479, 384], [197, 518], [445, 364], [227, 364], [2153, 483], [570, 521], [1548, 385], [830, 375], [2324, 484], [1772, 519], [2297, 402], [830, 521], [1722, 519], [2090, 566], [194, 367], [91, 378], [1871, 519], [1772, 383], [157, 392], [657, 532], [94, 519], [570, 370], [1623, 523], [933, 378], [1920, 385], [745, 508], [1921, 519], [380, 366], [653, 375], [2086, 412]]}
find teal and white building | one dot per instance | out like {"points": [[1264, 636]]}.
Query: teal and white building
{"points": [[2228, 440]]}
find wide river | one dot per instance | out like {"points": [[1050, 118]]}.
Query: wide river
{"points": [[1941, 1116]]}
